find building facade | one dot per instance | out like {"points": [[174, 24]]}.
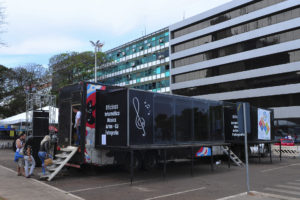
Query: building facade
{"points": [[142, 63], [245, 50]]}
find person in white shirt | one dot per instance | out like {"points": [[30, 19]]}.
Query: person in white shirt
{"points": [[77, 124], [20, 143]]}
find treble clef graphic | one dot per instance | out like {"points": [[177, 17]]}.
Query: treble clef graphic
{"points": [[139, 121]]}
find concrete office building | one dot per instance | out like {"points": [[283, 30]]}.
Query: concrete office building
{"points": [[245, 50], [142, 63]]}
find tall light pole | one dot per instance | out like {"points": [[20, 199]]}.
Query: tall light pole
{"points": [[98, 46]]}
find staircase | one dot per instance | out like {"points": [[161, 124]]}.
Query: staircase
{"points": [[233, 157], [60, 162]]}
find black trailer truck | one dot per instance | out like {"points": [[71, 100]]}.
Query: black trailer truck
{"points": [[116, 120], [120, 124]]}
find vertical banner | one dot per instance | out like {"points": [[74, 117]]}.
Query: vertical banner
{"points": [[264, 125]]}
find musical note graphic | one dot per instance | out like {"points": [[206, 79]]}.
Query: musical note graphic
{"points": [[147, 106], [139, 121]]}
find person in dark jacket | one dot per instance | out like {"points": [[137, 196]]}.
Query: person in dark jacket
{"points": [[44, 151]]}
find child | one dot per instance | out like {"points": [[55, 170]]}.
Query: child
{"points": [[29, 160]]}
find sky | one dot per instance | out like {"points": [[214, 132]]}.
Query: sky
{"points": [[35, 30]]}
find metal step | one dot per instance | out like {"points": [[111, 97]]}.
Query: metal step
{"points": [[51, 168], [233, 157], [59, 163], [67, 149], [64, 162], [44, 175], [62, 155]]}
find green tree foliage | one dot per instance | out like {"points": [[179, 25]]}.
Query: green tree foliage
{"points": [[5, 83], [15, 83], [73, 67]]}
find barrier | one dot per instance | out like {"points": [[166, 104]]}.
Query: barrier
{"points": [[6, 144], [286, 151]]}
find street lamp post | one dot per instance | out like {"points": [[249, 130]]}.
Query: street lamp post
{"points": [[98, 45]]}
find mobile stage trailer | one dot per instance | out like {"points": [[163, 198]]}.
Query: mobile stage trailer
{"points": [[139, 128], [115, 120]]}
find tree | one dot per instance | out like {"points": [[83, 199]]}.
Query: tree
{"points": [[17, 82], [5, 91], [5, 83], [73, 67]]}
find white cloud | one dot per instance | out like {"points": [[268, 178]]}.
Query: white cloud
{"points": [[54, 26], [42, 45]]}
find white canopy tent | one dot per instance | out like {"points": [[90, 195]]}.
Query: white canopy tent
{"points": [[21, 118]]}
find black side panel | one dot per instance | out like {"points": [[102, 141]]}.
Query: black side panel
{"points": [[231, 123], [66, 92], [201, 121], [163, 119], [40, 123], [64, 124], [216, 123], [111, 120], [36, 141], [76, 97], [184, 120], [140, 117], [68, 95]]}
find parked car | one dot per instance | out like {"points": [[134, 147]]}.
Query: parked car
{"points": [[286, 142]]}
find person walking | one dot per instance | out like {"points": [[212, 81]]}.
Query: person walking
{"points": [[44, 151], [19, 155], [29, 161], [77, 124]]}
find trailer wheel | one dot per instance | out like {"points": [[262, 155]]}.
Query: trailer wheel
{"points": [[150, 161]]}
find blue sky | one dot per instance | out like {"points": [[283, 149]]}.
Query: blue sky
{"points": [[35, 30]]}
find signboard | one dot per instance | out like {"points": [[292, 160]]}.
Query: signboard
{"points": [[111, 120], [263, 124], [141, 117], [240, 114]]}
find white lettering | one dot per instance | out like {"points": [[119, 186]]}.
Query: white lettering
{"points": [[111, 114], [111, 133], [112, 107], [111, 120]]}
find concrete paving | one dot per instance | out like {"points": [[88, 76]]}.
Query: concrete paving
{"points": [[279, 180], [254, 195], [18, 187]]}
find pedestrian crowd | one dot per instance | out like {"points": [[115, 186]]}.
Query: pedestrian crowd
{"points": [[24, 155]]}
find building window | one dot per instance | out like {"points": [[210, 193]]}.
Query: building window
{"points": [[239, 47], [245, 9], [246, 27], [250, 64], [252, 83]]}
